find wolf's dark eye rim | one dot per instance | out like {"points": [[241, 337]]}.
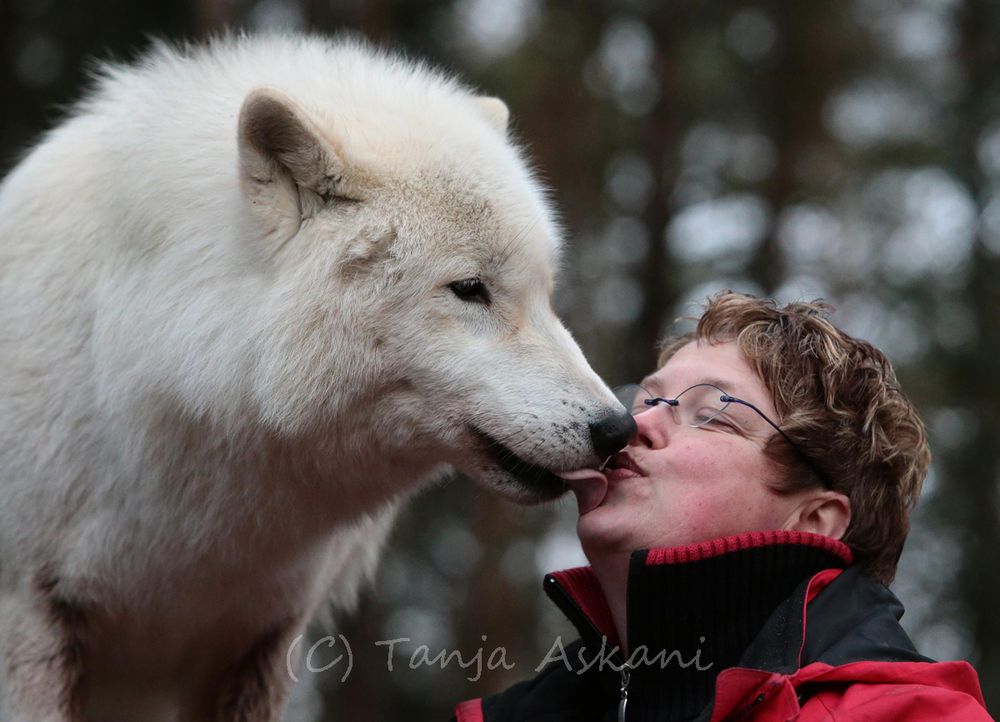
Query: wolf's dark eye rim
{"points": [[472, 290]]}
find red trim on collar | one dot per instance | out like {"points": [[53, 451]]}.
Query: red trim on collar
{"points": [[817, 584], [470, 710], [748, 540], [583, 587]]}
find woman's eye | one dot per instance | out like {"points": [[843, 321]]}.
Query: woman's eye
{"points": [[720, 423], [703, 418], [472, 290]]}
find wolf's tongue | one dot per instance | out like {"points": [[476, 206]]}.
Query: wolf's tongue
{"points": [[589, 485]]}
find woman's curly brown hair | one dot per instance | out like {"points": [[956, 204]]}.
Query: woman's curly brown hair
{"points": [[838, 399]]}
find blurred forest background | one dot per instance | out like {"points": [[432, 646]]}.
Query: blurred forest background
{"points": [[845, 149]]}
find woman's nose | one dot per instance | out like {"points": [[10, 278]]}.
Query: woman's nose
{"points": [[651, 427]]}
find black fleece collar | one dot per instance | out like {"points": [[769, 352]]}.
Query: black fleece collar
{"points": [[694, 611]]}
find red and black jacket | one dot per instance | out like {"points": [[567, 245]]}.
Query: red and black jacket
{"points": [[720, 631]]}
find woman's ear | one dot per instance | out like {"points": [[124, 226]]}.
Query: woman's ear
{"points": [[824, 512]]}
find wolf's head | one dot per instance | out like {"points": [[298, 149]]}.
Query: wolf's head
{"points": [[417, 255]]}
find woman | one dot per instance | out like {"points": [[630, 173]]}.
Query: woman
{"points": [[740, 543]]}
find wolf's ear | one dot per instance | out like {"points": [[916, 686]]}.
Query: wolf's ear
{"points": [[494, 110], [282, 152]]}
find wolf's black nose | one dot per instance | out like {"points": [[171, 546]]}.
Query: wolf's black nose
{"points": [[612, 433]]}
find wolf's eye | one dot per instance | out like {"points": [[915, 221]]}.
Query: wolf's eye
{"points": [[472, 290]]}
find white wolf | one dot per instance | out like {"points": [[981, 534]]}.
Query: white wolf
{"points": [[251, 294]]}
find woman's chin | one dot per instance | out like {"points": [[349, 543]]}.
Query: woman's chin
{"points": [[603, 530]]}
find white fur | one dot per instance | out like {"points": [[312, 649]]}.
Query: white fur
{"points": [[218, 377]]}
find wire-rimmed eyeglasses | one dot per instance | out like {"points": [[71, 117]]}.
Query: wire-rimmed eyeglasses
{"points": [[700, 405]]}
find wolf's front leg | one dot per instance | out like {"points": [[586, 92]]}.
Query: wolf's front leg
{"points": [[41, 650], [255, 688]]}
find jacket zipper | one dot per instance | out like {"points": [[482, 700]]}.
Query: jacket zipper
{"points": [[623, 700], [572, 609]]}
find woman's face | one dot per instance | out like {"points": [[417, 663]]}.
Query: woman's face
{"points": [[675, 485]]}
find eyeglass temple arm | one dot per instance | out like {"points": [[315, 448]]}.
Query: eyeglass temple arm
{"points": [[727, 399]]}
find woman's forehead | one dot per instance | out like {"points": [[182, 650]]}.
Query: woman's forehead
{"points": [[700, 362]]}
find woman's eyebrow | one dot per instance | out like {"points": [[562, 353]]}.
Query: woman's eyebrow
{"points": [[723, 384], [654, 385], [651, 385]]}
